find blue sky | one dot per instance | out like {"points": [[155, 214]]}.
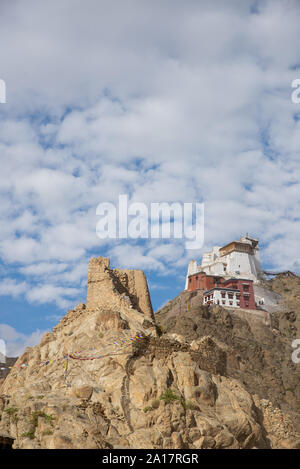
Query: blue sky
{"points": [[166, 101]]}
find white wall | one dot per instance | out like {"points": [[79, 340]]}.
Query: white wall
{"points": [[217, 296], [248, 265], [192, 269]]}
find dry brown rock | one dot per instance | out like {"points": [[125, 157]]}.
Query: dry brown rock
{"points": [[151, 392], [83, 392]]}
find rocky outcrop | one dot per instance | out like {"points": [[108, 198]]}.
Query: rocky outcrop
{"points": [[258, 346], [104, 378]]}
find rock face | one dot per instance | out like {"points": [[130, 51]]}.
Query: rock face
{"points": [[105, 378], [258, 346]]}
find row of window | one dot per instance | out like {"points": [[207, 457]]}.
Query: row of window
{"points": [[230, 302], [209, 301]]}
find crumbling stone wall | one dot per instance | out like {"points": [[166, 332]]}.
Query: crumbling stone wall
{"points": [[135, 285], [106, 285]]}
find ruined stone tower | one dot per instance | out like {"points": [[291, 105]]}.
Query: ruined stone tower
{"points": [[109, 288]]}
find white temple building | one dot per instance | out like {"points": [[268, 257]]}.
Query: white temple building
{"points": [[237, 259]]}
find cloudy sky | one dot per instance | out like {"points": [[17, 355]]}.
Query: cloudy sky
{"points": [[163, 100]]}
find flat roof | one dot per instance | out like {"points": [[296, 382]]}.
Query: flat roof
{"points": [[220, 288], [206, 275], [234, 242], [221, 276], [238, 278]]}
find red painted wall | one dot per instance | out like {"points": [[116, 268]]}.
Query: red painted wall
{"points": [[247, 299], [202, 282], [206, 282]]}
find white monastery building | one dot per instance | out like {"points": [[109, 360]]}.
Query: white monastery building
{"points": [[222, 296], [237, 259]]}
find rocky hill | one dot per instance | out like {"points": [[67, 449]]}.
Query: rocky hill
{"points": [[258, 345], [108, 376]]}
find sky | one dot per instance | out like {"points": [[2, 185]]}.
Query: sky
{"points": [[162, 100]]}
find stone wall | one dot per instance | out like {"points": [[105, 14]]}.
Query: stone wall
{"points": [[109, 288], [135, 285]]}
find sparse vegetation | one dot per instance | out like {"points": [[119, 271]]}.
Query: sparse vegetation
{"points": [[29, 434], [35, 416], [47, 433], [147, 409], [12, 412], [34, 420], [169, 396]]}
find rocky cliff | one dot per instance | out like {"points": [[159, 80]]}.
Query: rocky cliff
{"points": [[107, 377], [258, 345]]}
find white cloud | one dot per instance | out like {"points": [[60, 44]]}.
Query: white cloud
{"points": [[47, 293], [189, 106], [128, 256], [16, 342], [10, 287]]}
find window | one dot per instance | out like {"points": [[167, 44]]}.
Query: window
{"points": [[223, 295], [230, 302], [246, 287], [223, 302]]}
